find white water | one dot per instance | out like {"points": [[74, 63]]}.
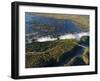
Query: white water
{"points": [[43, 39], [67, 36]]}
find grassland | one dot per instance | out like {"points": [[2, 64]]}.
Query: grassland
{"points": [[56, 53], [46, 53]]}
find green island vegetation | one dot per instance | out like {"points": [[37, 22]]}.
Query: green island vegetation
{"points": [[57, 53]]}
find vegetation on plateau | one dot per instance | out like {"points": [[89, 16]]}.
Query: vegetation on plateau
{"points": [[57, 53]]}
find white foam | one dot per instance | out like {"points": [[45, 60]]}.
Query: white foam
{"points": [[66, 36]]}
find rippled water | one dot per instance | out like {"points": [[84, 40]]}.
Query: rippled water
{"points": [[65, 29]]}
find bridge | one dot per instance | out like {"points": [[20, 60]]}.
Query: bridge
{"points": [[80, 45]]}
